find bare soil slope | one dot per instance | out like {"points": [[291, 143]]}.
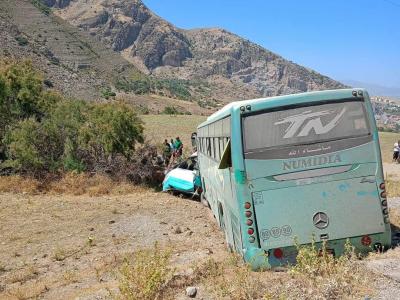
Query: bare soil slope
{"points": [[61, 247]]}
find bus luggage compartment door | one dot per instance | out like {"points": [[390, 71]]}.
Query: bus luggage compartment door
{"points": [[336, 209]]}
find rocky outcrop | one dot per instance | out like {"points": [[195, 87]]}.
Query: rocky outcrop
{"points": [[235, 67]]}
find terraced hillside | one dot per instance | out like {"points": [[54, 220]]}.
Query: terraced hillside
{"points": [[72, 62]]}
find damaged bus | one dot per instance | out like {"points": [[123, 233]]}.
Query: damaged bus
{"points": [[292, 168]]}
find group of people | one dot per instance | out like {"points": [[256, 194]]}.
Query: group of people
{"points": [[172, 149], [396, 151]]}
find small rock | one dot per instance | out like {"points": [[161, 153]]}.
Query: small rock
{"points": [[208, 251], [177, 230], [91, 229], [111, 222], [113, 235], [188, 233], [191, 291]]}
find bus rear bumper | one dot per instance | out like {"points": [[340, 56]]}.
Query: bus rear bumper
{"points": [[261, 259]]}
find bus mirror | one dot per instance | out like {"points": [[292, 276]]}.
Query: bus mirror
{"points": [[226, 161]]}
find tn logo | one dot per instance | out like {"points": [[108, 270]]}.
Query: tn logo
{"points": [[310, 120]]}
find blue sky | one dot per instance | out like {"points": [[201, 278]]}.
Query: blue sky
{"points": [[353, 39]]}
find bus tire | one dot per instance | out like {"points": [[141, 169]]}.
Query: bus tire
{"points": [[204, 201]]}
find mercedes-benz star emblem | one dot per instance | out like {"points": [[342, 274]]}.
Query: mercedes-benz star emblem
{"points": [[320, 220]]}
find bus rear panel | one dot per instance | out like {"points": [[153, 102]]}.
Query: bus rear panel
{"points": [[306, 168]]}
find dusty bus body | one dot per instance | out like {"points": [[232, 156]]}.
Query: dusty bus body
{"points": [[299, 167]]}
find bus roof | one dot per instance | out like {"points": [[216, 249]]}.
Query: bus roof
{"points": [[281, 101]]}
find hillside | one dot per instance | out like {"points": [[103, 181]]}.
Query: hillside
{"points": [[227, 66], [72, 62]]}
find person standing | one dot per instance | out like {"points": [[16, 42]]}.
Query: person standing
{"points": [[178, 146], [396, 151], [167, 151]]}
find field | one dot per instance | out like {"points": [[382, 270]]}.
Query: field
{"points": [[160, 127], [62, 246]]}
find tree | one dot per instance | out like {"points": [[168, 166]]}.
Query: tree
{"points": [[112, 128]]}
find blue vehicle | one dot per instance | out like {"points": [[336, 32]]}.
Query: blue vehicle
{"points": [[184, 178]]}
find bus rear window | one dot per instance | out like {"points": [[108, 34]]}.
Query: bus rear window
{"points": [[305, 125]]}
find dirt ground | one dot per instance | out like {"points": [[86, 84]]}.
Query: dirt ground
{"points": [[71, 247], [61, 247]]}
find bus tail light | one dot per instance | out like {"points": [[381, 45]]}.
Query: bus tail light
{"points": [[248, 214], [366, 240], [385, 211], [278, 253], [383, 194], [247, 205], [250, 231], [249, 222], [382, 186], [252, 239], [384, 203]]}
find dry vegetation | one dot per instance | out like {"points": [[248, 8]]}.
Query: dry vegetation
{"points": [[387, 139], [150, 276], [161, 127], [70, 184]]}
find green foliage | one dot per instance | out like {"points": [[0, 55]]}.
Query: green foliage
{"points": [[41, 6], [170, 110], [107, 93], [40, 131], [113, 129], [22, 41], [144, 85], [22, 95]]}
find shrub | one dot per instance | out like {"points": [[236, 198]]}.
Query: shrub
{"points": [[107, 93], [327, 276], [25, 144], [170, 110], [112, 129], [22, 41], [146, 275]]}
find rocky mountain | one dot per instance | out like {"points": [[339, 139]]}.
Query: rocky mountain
{"points": [[230, 66], [70, 60]]}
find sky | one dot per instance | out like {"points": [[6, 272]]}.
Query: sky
{"points": [[344, 39]]}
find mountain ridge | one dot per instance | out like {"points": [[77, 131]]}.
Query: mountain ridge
{"points": [[235, 67]]}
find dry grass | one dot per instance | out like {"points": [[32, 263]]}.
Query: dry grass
{"points": [[161, 127], [392, 187], [387, 139], [70, 184], [394, 215], [146, 275], [326, 277], [18, 184], [96, 185]]}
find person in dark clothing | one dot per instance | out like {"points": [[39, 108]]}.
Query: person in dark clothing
{"points": [[167, 152]]}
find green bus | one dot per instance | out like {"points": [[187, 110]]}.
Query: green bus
{"points": [[304, 167]]}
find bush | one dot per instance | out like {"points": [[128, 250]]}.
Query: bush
{"points": [[112, 129], [327, 276], [40, 131], [22, 41], [144, 85], [146, 275], [107, 93]]}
